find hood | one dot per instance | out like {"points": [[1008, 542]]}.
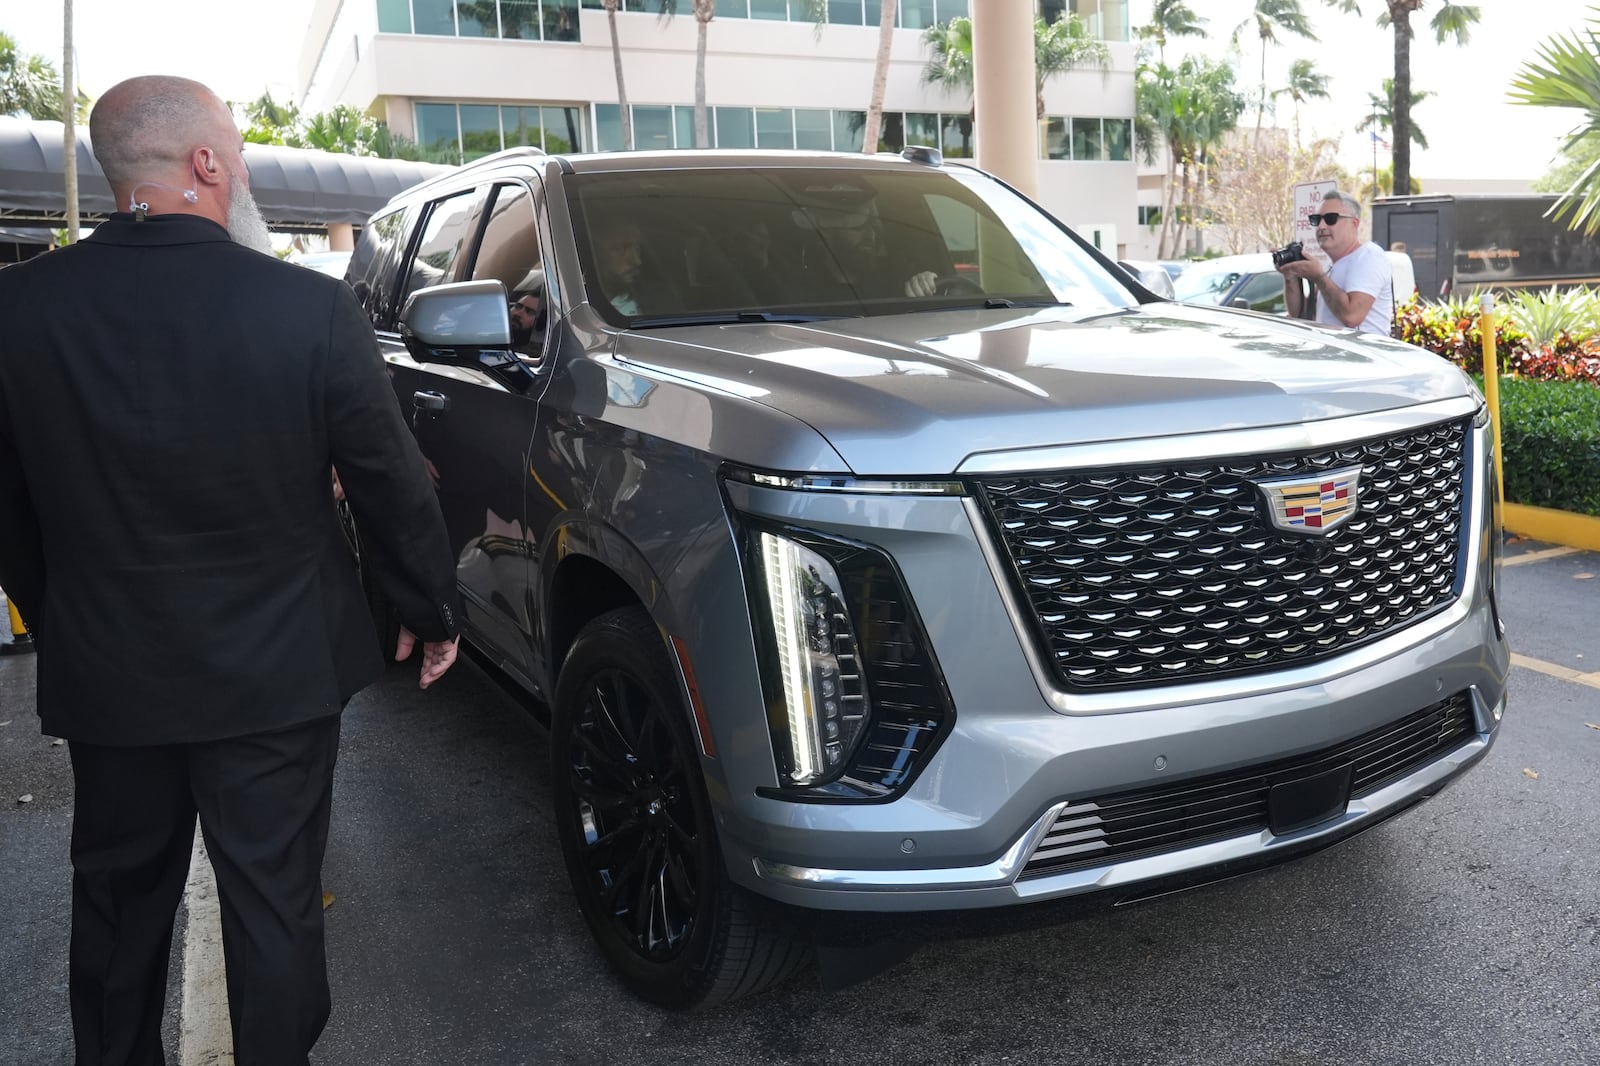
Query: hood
{"points": [[919, 394]]}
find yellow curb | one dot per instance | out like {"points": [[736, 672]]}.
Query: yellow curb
{"points": [[1554, 527], [1552, 670]]}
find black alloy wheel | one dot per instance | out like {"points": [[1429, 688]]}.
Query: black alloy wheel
{"points": [[637, 831]]}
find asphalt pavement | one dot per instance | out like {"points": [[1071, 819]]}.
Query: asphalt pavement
{"points": [[1465, 931]]}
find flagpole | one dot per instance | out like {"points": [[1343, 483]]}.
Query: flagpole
{"points": [[1372, 135]]}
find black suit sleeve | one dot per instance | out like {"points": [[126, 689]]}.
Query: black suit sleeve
{"points": [[385, 479], [21, 543]]}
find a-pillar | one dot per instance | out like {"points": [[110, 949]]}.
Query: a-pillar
{"points": [[341, 237], [1005, 101]]}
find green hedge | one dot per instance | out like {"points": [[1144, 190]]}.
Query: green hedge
{"points": [[1550, 431]]}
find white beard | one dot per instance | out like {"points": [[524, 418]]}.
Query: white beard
{"points": [[245, 224]]}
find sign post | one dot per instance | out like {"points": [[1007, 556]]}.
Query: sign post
{"points": [[1307, 202]]}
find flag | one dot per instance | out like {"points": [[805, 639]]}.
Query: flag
{"points": [[1379, 141]]}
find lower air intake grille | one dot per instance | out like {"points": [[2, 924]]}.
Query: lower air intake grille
{"points": [[1104, 829]]}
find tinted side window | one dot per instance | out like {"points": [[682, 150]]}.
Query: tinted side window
{"points": [[449, 224], [375, 262], [1263, 292], [509, 253]]}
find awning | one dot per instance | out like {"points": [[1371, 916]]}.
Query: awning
{"points": [[299, 190]]}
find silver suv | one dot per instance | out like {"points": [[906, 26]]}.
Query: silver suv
{"points": [[879, 546]]}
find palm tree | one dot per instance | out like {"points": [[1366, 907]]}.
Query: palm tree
{"points": [[1272, 18], [880, 78], [1381, 116], [1385, 185], [1449, 21], [1058, 47], [1188, 110], [616, 62], [872, 123], [1305, 83], [1566, 73], [704, 12], [1171, 18], [29, 84]]}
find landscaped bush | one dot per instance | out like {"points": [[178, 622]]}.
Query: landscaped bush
{"points": [[1549, 349], [1550, 336], [1550, 431]]}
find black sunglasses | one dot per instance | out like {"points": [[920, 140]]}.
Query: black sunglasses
{"points": [[1330, 217]]}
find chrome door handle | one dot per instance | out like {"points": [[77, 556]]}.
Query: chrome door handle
{"points": [[430, 401]]}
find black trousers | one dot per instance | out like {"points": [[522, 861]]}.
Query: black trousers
{"points": [[263, 802]]}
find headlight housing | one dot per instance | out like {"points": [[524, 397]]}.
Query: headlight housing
{"points": [[855, 703]]}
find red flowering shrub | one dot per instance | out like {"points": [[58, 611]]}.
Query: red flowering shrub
{"points": [[1454, 330]]}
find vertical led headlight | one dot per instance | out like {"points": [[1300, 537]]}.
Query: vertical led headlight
{"points": [[818, 661]]}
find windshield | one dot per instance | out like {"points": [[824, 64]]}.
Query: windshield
{"points": [[785, 243], [1205, 286]]}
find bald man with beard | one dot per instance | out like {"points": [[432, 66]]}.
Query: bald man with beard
{"points": [[172, 403]]}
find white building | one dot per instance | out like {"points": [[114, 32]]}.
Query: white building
{"points": [[470, 77]]}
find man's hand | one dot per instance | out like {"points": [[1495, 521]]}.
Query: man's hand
{"points": [[923, 284], [436, 655]]}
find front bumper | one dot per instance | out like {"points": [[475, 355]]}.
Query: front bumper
{"points": [[1000, 883]]}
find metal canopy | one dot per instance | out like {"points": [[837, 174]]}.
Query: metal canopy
{"points": [[299, 190]]}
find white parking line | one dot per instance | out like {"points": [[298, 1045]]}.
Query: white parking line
{"points": [[1540, 556], [1565, 673], [205, 1036]]}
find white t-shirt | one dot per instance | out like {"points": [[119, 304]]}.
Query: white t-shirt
{"points": [[1364, 270]]}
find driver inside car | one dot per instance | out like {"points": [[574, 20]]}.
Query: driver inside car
{"points": [[853, 254]]}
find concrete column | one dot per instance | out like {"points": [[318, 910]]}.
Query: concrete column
{"points": [[341, 237], [1006, 102]]}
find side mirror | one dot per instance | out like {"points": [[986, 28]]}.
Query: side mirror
{"points": [[1239, 301], [465, 324]]}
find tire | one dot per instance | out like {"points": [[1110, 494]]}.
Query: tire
{"points": [[637, 830], [385, 619]]}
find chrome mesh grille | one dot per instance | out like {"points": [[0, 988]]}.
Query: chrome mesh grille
{"points": [[1102, 829], [1176, 573]]}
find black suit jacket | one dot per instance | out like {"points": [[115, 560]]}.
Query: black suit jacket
{"points": [[170, 405]]}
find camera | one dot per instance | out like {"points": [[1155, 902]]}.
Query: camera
{"points": [[1292, 252]]}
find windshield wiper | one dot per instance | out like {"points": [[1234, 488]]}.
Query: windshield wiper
{"points": [[995, 303], [722, 318]]}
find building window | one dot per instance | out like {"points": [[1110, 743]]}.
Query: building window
{"points": [[457, 132], [909, 14], [1119, 139], [1107, 19], [735, 127], [849, 130], [1088, 139], [1150, 215], [774, 127], [480, 130], [434, 17], [813, 130], [1086, 142], [525, 20], [955, 136], [394, 16], [846, 13], [437, 131], [652, 128]]}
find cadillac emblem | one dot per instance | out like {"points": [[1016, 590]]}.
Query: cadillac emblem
{"points": [[1313, 504]]}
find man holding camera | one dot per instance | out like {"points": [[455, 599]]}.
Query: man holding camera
{"points": [[1357, 289]]}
